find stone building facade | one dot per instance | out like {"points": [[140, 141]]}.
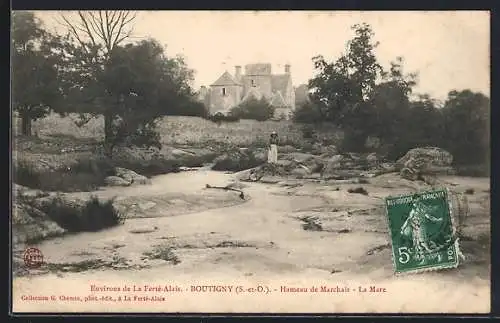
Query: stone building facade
{"points": [[257, 82]]}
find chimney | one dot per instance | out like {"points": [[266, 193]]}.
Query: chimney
{"points": [[237, 72], [287, 68]]}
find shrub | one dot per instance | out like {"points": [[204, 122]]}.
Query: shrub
{"points": [[25, 174], [254, 109], [220, 117], [70, 181], [307, 113], [308, 132], [358, 190], [94, 215], [469, 191], [354, 141], [86, 175], [93, 165]]}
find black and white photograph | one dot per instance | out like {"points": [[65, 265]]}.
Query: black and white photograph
{"points": [[250, 161]]}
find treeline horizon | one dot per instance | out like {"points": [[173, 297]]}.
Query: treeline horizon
{"points": [[96, 71]]}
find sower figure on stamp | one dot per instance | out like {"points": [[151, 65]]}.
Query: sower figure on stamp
{"points": [[272, 154], [415, 226]]}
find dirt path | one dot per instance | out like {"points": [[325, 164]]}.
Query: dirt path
{"points": [[312, 234]]}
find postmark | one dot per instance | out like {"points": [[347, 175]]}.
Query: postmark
{"points": [[33, 258], [422, 231]]}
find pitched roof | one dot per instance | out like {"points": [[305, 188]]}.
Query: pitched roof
{"points": [[278, 100], [279, 82], [225, 79], [252, 92]]}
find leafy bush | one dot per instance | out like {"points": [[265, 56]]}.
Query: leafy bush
{"points": [[70, 181], [308, 112], [358, 190], [93, 216], [220, 117], [25, 174], [86, 175], [254, 109], [308, 132]]}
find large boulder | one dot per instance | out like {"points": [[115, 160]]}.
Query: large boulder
{"points": [[116, 181], [314, 164], [47, 204], [372, 159], [30, 224], [301, 171], [190, 157], [131, 177], [286, 149], [264, 171], [240, 159], [418, 162], [23, 192], [299, 157], [324, 150], [332, 165]]}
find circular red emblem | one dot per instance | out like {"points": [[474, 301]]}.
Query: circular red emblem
{"points": [[33, 258]]}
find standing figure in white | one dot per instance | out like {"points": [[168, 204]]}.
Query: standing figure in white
{"points": [[272, 154]]}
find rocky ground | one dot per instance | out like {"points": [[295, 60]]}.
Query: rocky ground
{"points": [[295, 228]]}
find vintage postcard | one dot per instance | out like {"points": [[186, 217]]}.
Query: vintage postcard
{"points": [[251, 162]]}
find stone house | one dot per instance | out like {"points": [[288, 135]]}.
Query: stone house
{"points": [[258, 82]]}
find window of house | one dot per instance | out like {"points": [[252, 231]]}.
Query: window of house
{"points": [[224, 91]]}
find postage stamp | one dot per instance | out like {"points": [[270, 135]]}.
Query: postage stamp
{"points": [[422, 231]]}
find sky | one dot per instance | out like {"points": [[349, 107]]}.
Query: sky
{"points": [[449, 49]]}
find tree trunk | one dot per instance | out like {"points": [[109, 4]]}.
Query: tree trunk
{"points": [[26, 125], [108, 134], [108, 124]]}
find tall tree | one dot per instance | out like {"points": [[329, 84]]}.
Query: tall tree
{"points": [[96, 34], [341, 89], [142, 84], [467, 126], [342, 86], [35, 84], [390, 100]]}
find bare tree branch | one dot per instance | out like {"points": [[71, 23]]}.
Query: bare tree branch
{"points": [[87, 29], [73, 31], [108, 28], [125, 20]]}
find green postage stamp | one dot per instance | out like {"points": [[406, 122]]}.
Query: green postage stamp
{"points": [[422, 231]]}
